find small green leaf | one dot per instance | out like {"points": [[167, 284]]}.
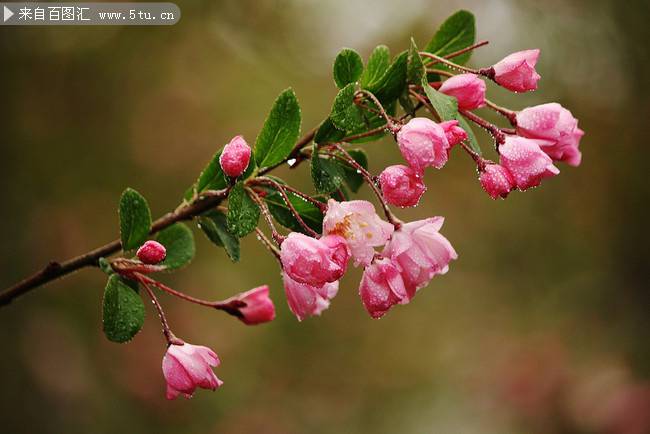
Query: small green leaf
{"points": [[280, 131], [179, 243], [215, 227], [415, 69], [348, 67], [446, 106], [354, 179], [378, 63], [243, 212], [123, 310], [471, 137], [326, 173], [309, 212], [328, 133], [346, 115], [388, 88], [212, 177], [105, 266], [135, 219], [456, 33]]}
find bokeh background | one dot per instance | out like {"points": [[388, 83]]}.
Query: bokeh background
{"points": [[541, 326]]}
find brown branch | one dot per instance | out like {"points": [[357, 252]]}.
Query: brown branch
{"points": [[54, 270]]}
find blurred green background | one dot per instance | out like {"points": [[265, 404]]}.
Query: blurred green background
{"points": [[541, 326]]}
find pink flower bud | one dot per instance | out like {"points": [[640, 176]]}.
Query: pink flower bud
{"points": [[307, 300], [314, 262], [496, 181], [423, 143], [420, 251], [151, 252], [454, 133], [187, 367], [259, 307], [382, 287], [516, 72], [235, 157], [555, 129], [468, 89], [401, 185], [526, 162], [359, 224]]}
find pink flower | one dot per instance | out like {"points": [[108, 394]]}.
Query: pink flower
{"points": [[423, 143], [555, 129], [496, 181], [468, 89], [314, 262], [235, 157], [516, 72], [359, 224], [259, 306], [526, 162], [382, 287], [151, 252], [454, 133], [307, 300], [187, 367], [401, 185], [420, 251]]}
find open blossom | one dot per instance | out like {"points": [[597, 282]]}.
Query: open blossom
{"points": [[454, 133], [359, 224], [496, 181], [235, 157], [259, 306], [526, 162], [308, 300], [382, 287], [187, 367], [420, 251], [151, 252], [423, 143], [516, 72], [401, 185], [555, 129], [314, 262], [468, 89]]}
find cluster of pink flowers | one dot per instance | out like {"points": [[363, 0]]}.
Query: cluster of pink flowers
{"points": [[544, 134], [412, 254], [398, 259]]}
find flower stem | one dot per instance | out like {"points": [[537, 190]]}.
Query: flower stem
{"points": [[169, 336], [267, 216], [449, 63], [511, 115], [495, 131]]}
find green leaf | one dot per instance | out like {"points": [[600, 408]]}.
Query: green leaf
{"points": [[123, 310], [328, 133], [243, 212], [105, 266], [326, 173], [378, 63], [346, 115], [388, 88], [456, 33], [179, 243], [309, 212], [415, 69], [353, 179], [371, 121], [471, 137], [280, 131], [214, 225], [446, 106], [135, 219], [348, 67], [212, 177], [406, 103]]}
